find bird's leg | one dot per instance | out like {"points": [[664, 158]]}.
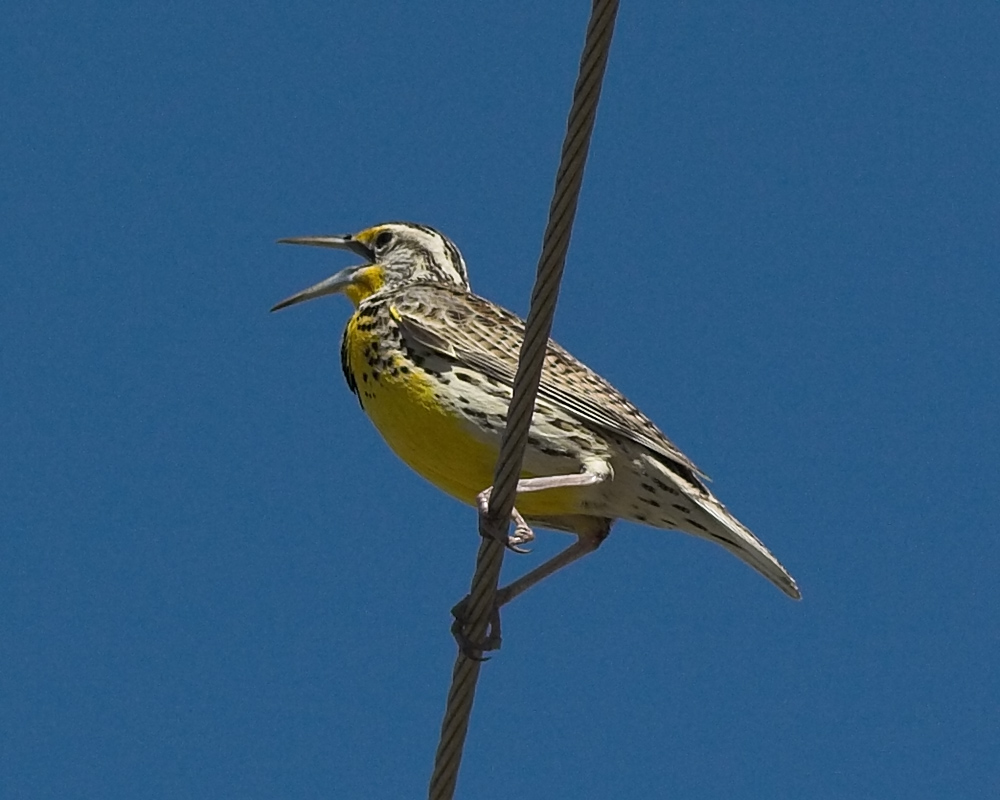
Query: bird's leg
{"points": [[522, 531], [581, 547]]}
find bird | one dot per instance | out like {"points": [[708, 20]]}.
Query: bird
{"points": [[432, 365]]}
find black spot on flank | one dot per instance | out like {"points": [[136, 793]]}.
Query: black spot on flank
{"points": [[648, 488], [649, 501], [697, 525], [463, 399], [375, 374], [364, 377], [466, 378], [405, 370], [682, 509], [640, 517], [665, 486]]}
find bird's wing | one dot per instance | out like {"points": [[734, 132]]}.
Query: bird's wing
{"points": [[478, 334]]}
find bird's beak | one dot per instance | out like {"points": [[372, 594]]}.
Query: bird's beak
{"points": [[335, 283], [346, 242], [332, 285]]}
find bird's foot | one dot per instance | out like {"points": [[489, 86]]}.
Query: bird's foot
{"points": [[522, 531], [474, 650], [522, 534]]}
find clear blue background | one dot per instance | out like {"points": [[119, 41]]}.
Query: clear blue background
{"points": [[216, 581]]}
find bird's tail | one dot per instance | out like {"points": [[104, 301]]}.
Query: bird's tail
{"points": [[732, 534], [711, 520]]}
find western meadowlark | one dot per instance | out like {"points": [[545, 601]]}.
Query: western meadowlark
{"points": [[433, 365]]}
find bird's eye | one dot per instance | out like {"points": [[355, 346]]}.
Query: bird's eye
{"points": [[383, 239]]}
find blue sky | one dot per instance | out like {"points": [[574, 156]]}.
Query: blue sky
{"points": [[215, 579]]}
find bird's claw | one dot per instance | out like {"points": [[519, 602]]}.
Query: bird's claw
{"points": [[522, 531], [521, 535], [469, 648]]}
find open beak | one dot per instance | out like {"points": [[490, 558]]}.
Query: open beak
{"points": [[335, 283]]}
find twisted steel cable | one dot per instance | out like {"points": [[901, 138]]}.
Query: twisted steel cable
{"points": [[544, 297]]}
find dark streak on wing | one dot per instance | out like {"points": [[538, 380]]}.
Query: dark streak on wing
{"points": [[479, 342], [421, 333]]}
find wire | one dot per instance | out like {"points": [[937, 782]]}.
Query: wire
{"points": [[544, 296]]}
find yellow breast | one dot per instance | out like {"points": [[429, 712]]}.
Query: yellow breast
{"points": [[411, 411]]}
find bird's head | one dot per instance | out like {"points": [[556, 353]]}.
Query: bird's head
{"points": [[395, 253]]}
